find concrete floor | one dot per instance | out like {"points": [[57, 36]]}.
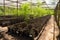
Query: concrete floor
{"points": [[51, 30]]}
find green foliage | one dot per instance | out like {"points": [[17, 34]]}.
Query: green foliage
{"points": [[1, 11], [26, 9]]}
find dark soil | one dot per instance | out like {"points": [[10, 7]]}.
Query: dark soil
{"points": [[22, 29], [10, 20]]}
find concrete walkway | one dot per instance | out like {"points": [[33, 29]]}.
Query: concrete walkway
{"points": [[51, 30]]}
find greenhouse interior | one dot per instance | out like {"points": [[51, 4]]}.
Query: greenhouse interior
{"points": [[29, 20]]}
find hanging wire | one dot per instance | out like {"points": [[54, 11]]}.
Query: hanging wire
{"points": [[8, 10], [17, 7], [4, 6]]}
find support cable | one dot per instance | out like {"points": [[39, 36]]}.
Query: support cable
{"points": [[17, 8], [4, 6]]}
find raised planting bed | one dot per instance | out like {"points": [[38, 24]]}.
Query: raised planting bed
{"points": [[30, 28], [10, 20]]}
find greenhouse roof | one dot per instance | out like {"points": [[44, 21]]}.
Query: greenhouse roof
{"points": [[51, 4]]}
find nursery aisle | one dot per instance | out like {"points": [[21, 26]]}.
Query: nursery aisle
{"points": [[51, 30]]}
